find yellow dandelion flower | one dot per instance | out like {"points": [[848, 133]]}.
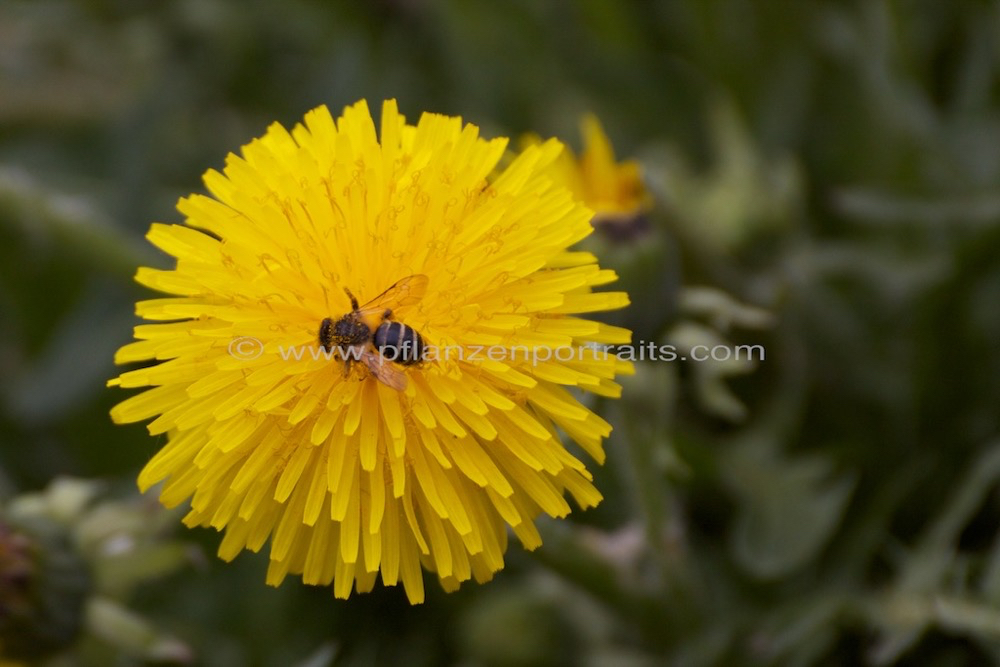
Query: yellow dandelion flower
{"points": [[353, 470], [614, 190]]}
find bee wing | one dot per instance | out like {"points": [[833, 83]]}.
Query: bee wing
{"points": [[404, 292], [383, 370]]}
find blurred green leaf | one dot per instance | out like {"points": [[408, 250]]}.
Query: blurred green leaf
{"points": [[788, 509], [714, 360], [69, 223], [128, 631]]}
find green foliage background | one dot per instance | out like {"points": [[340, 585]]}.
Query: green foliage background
{"points": [[827, 184]]}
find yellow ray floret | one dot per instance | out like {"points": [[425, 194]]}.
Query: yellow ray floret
{"points": [[349, 470]]}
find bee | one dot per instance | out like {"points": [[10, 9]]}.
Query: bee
{"points": [[370, 334]]}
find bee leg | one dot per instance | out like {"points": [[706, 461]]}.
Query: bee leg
{"points": [[346, 356], [387, 315]]}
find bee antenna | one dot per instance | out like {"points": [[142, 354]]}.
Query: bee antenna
{"points": [[354, 301]]}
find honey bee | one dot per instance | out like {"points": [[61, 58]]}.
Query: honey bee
{"points": [[370, 334]]}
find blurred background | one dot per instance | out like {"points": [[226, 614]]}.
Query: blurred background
{"points": [[825, 178]]}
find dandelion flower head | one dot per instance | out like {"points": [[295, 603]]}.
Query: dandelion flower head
{"points": [[614, 190], [345, 477]]}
